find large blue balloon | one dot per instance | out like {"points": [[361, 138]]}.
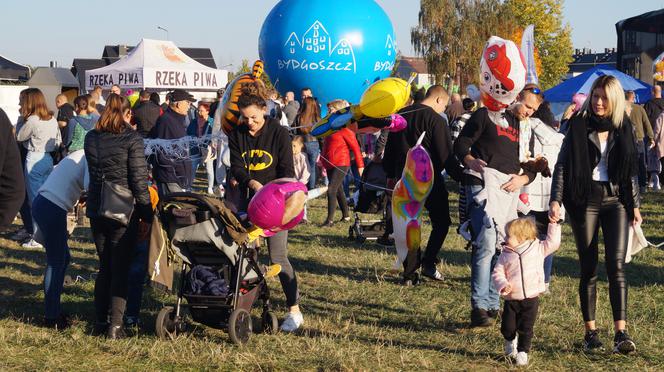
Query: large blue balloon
{"points": [[336, 48]]}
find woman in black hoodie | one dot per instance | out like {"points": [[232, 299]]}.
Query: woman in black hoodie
{"points": [[260, 152], [115, 153], [595, 177]]}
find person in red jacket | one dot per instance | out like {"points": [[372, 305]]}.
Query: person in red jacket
{"points": [[336, 160]]}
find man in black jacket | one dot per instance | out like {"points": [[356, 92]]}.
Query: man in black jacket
{"points": [[146, 114], [172, 175], [482, 143], [425, 117], [12, 185], [655, 106]]}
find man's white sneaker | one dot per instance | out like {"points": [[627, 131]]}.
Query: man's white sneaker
{"points": [[31, 244], [522, 358], [510, 348], [210, 191], [292, 322]]}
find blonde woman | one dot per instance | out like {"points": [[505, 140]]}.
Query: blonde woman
{"points": [[595, 178]]}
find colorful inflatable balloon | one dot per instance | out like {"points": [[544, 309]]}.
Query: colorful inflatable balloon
{"points": [[658, 68], [278, 205], [385, 97], [228, 111], [502, 77], [408, 199], [336, 48], [377, 110]]}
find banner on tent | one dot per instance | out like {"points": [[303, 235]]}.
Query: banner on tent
{"points": [[107, 79], [158, 79]]}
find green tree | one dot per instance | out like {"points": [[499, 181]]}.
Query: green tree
{"points": [[451, 35], [552, 38]]}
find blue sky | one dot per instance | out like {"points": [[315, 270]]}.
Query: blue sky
{"points": [[38, 31]]}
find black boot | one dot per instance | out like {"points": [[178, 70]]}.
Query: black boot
{"points": [[115, 332]]}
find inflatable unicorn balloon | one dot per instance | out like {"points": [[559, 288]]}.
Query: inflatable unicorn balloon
{"points": [[408, 199]]}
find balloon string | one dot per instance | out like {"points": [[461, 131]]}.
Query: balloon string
{"points": [[356, 180]]}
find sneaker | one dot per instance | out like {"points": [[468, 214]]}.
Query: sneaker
{"points": [[345, 219], [20, 235], [327, 224], [292, 322], [210, 191], [623, 344], [32, 243], [412, 280], [547, 291], [432, 273], [522, 358], [591, 341], [480, 318], [59, 323], [510, 348]]}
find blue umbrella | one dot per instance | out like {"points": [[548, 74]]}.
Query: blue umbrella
{"points": [[564, 91]]}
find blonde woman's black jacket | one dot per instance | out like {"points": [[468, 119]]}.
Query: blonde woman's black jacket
{"points": [[121, 157], [558, 181]]}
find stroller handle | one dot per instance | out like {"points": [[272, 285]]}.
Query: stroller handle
{"points": [[188, 195]]}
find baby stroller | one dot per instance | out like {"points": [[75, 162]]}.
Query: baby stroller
{"points": [[371, 199], [199, 237]]}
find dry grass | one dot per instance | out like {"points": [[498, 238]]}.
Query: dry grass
{"points": [[357, 315]]}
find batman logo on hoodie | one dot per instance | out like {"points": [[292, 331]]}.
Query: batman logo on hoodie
{"points": [[258, 160]]}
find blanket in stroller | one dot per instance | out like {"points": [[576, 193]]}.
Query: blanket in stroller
{"points": [[204, 280]]}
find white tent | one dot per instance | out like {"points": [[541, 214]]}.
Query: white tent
{"points": [[159, 65]]}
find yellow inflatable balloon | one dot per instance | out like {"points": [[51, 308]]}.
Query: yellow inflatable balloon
{"points": [[385, 97]]}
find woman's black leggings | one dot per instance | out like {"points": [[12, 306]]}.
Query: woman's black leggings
{"points": [[278, 248], [114, 244], [335, 193], [603, 210]]}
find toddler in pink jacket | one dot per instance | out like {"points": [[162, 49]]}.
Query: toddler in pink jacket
{"points": [[519, 278]]}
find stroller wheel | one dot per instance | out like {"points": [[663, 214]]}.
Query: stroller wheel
{"points": [[165, 326], [351, 233], [270, 322], [239, 326]]}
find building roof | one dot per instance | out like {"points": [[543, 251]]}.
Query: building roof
{"points": [[650, 22], [585, 61], [414, 64], [53, 76], [10, 70]]}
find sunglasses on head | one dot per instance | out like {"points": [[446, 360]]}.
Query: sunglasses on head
{"points": [[535, 90]]}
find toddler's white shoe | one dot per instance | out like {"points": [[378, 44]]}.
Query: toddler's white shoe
{"points": [[522, 358], [292, 322], [510, 348]]}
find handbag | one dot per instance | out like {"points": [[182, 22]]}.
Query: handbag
{"points": [[116, 202]]}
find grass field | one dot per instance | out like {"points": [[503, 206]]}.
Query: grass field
{"points": [[357, 315]]}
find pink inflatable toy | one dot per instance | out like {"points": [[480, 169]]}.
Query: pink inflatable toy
{"points": [[278, 205]]}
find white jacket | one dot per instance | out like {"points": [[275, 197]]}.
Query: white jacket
{"points": [[547, 143]]}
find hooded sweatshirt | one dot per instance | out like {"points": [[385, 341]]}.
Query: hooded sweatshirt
{"points": [[523, 266], [264, 157]]}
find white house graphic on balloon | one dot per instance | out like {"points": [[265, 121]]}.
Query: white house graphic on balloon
{"points": [[316, 40]]}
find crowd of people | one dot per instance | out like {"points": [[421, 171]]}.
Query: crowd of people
{"points": [[604, 153]]}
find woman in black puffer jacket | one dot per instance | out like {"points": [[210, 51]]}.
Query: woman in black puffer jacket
{"points": [[116, 150]]}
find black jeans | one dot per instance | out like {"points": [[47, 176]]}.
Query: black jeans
{"points": [[115, 244], [335, 191], [278, 248], [605, 210], [643, 174], [519, 317], [437, 204]]}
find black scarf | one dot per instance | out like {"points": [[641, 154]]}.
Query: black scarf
{"points": [[621, 160]]}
